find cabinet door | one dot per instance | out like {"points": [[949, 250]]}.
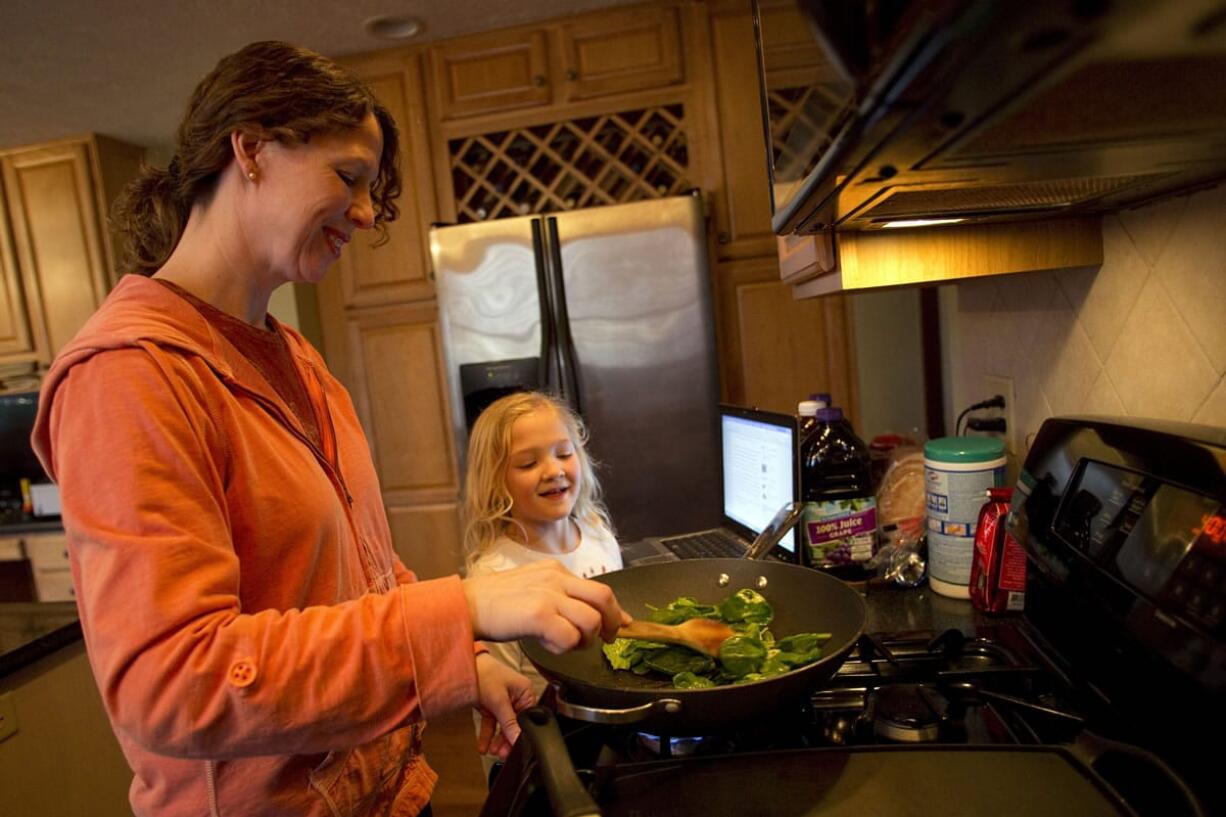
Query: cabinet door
{"points": [[490, 73], [57, 233], [48, 555], [401, 395], [775, 349], [742, 207], [397, 270], [16, 338], [427, 538], [621, 51]]}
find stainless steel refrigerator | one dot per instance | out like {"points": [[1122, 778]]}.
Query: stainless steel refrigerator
{"points": [[610, 309]]}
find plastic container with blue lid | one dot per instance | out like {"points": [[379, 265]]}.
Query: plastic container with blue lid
{"points": [[958, 471]]}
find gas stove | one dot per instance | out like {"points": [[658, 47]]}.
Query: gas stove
{"points": [[896, 688], [1096, 700], [942, 705]]}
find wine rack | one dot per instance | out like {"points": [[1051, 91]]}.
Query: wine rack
{"points": [[803, 123], [585, 162]]}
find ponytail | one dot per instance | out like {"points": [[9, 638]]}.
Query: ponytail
{"points": [[150, 213]]}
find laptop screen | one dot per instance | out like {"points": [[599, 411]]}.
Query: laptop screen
{"points": [[759, 468]]}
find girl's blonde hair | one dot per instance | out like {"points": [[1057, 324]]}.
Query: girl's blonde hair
{"points": [[487, 503]]}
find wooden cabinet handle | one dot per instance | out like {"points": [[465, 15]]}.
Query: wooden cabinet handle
{"points": [[723, 237], [572, 74], [539, 81]]}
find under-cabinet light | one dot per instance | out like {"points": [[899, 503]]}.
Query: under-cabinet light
{"points": [[922, 222]]}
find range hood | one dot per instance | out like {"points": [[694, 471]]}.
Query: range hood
{"points": [[965, 111]]}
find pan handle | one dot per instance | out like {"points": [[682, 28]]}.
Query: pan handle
{"points": [[567, 796], [1091, 748], [593, 714], [784, 520]]}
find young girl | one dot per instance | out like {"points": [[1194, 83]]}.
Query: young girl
{"points": [[531, 494]]}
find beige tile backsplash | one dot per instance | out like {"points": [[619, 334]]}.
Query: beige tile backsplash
{"points": [[1144, 335]]}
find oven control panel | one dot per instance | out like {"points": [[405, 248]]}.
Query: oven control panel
{"points": [[1164, 541]]}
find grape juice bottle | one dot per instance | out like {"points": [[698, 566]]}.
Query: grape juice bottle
{"points": [[840, 517]]}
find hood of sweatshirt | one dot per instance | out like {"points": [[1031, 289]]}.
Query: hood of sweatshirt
{"points": [[141, 312]]}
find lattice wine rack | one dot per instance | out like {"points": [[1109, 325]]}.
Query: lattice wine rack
{"points": [[803, 122], [587, 162]]}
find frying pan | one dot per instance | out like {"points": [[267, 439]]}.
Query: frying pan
{"points": [[587, 688]]}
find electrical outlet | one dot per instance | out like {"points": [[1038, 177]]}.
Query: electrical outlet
{"points": [[993, 385], [8, 716]]}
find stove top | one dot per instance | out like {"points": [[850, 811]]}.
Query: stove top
{"points": [[931, 693]]}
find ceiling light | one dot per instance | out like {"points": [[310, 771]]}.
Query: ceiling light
{"points": [[922, 222], [392, 27]]}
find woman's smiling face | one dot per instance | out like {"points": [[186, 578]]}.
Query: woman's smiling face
{"points": [[312, 197]]}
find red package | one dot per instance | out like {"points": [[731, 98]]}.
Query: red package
{"points": [[998, 567]]}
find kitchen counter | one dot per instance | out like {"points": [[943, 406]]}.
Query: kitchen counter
{"points": [[31, 630], [54, 525], [890, 608]]}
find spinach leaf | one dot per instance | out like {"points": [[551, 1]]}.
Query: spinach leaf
{"points": [[627, 653], [617, 652], [741, 655], [682, 609], [688, 680], [674, 660], [747, 606], [803, 642]]}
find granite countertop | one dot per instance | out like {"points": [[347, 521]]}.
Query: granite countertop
{"points": [[31, 630], [50, 525], [890, 608]]}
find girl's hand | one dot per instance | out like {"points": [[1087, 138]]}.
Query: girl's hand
{"points": [[545, 601], [502, 694]]}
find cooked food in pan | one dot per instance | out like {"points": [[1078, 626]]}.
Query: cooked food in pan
{"points": [[751, 653]]}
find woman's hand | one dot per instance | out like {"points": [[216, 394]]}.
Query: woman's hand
{"points": [[545, 601], [502, 694]]}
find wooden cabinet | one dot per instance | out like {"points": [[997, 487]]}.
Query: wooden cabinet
{"points": [[491, 73], [398, 357], [528, 67], [742, 205], [620, 51], [63, 758], [48, 555], [871, 259], [428, 537], [16, 334], [397, 270], [56, 256], [774, 349]]}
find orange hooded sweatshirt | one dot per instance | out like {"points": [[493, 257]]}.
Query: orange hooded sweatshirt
{"points": [[259, 647]]}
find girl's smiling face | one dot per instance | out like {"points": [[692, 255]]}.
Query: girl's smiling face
{"points": [[542, 470]]}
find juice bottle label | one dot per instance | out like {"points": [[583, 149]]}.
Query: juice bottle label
{"points": [[841, 531]]}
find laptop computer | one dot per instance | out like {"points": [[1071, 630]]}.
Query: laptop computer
{"points": [[759, 474]]}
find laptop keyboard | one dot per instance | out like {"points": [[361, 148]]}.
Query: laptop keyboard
{"points": [[706, 545]]}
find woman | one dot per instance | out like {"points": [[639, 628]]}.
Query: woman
{"points": [[258, 645]]}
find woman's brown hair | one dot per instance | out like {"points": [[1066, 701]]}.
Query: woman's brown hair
{"points": [[274, 89]]}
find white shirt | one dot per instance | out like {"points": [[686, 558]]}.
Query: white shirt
{"points": [[596, 553]]}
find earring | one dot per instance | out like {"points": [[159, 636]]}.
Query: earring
{"points": [[251, 174]]}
